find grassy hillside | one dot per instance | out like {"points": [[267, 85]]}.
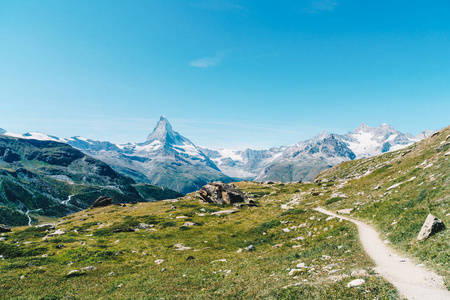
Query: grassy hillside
{"points": [[192, 252], [125, 261], [51, 179], [395, 192]]}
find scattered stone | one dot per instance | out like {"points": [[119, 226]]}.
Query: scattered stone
{"points": [[301, 265], [250, 248], [346, 211], [4, 228], [181, 247], [393, 186], [181, 217], [295, 271], [299, 238], [356, 282], [219, 192], [277, 246], [377, 187], [239, 251], [163, 269], [144, 226], [431, 226], [73, 273], [22, 277], [222, 212], [190, 258], [102, 201], [90, 268], [159, 261], [286, 230], [357, 273], [189, 224], [219, 260]]}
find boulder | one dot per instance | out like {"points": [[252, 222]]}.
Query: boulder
{"points": [[102, 201], [4, 228], [431, 226], [219, 192], [356, 282]]}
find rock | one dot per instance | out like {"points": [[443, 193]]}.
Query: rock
{"points": [[181, 247], [102, 201], [242, 205], [190, 258], [181, 217], [301, 265], [431, 226], [356, 282], [250, 248], [239, 250], [159, 261], [393, 186], [295, 271], [73, 273], [4, 228], [277, 246], [299, 238], [189, 224], [286, 230], [346, 211], [219, 192], [144, 226], [222, 212], [219, 260], [90, 268]]}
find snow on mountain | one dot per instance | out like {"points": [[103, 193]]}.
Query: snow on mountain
{"points": [[245, 164], [305, 159], [368, 141], [169, 159], [166, 158]]}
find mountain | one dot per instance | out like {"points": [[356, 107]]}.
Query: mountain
{"points": [[166, 159], [245, 164], [304, 160], [2, 131], [54, 179]]}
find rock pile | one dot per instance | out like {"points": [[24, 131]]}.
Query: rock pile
{"points": [[102, 201], [222, 193]]}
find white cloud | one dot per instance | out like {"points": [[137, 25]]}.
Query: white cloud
{"points": [[207, 62], [316, 6]]}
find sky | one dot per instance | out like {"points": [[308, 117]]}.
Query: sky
{"points": [[226, 73]]}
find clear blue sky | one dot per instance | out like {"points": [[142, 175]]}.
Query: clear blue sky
{"points": [[226, 73]]}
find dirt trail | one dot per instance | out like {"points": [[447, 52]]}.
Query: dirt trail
{"points": [[412, 281]]}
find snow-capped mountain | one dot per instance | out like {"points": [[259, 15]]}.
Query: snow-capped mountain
{"points": [[170, 160], [304, 160], [166, 158], [368, 141], [245, 164]]}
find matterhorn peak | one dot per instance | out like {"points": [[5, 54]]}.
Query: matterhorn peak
{"points": [[164, 133]]}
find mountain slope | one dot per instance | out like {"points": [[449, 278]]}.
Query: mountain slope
{"points": [[396, 191], [304, 160], [54, 179], [166, 159]]}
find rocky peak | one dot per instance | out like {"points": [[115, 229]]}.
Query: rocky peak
{"points": [[164, 133], [362, 128], [2, 131]]}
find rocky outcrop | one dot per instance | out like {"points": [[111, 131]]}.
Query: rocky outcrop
{"points": [[431, 226], [222, 193], [102, 201], [4, 228]]}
